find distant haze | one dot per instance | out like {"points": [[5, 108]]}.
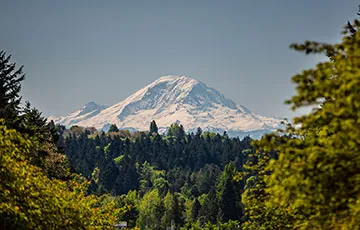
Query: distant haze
{"points": [[79, 51]]}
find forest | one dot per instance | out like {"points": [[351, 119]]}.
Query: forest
{"points": [[306, 176], [194, 172]]}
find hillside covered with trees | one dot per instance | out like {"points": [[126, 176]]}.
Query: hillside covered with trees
{"points": [[304, 177], [193, 171]]}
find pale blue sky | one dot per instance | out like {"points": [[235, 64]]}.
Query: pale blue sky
{"points": [[77, 51]]}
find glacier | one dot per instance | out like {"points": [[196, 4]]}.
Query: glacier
{"points": [[174, 99]]}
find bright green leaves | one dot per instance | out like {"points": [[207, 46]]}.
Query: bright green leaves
{"points": [[315, 179], [30, 200]]}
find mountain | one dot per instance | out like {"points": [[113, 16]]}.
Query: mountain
{"points": [[89, 110], [174, 99]]}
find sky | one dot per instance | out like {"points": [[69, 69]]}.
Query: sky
{"points": [[74, 52]]}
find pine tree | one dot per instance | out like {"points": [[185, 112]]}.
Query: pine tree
{"points": [[10, 79]]}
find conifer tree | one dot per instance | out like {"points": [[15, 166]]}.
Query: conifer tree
{"points": [[153, 127], [10, 79], [210, 208], [228, 197], [113, 128], [227, 202], [195, 209]]}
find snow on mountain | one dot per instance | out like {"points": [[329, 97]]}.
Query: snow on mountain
{"points": [[89, 110], [173, 99]]}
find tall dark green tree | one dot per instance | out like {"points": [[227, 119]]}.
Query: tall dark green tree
{"points": [[210, 208], [153, 127], [34, 124], [195, 209], [10, 86], [228, 197], [227, 203]]}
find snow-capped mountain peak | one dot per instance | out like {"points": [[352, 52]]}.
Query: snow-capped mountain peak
{"points": [[171, 99], [90, 109]]}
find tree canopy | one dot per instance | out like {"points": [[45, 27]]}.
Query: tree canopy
{"points": [[315, 181]]}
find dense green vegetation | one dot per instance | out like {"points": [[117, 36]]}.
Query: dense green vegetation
{"points": [[307, 177], [315, 181], [38, 190], [177, 177]]}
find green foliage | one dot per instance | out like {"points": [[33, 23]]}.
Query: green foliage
{"points": [[150, 210], [230, 225], [195, 209], [182, 169], [29, 199], [228, 193], [169, 210], [37, 189], [10, 79], [56, 164], [149, 175], [258, 215], [162, 185], [176, 130], [113, 128], [210, 208], [128, 208], [316, 179]]}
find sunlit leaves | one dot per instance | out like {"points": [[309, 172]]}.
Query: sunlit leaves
{"points": [[315, 180], [30, 200]]}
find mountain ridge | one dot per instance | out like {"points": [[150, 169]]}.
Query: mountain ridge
{"points": [[171, 99]]}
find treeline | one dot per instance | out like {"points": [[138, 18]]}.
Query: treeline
{"points": [[193, 173], [118, 160], [308, 177], [305, 178]]}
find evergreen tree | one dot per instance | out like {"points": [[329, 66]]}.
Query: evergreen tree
{"points": [[210, 208], [113, 128], [179, 209], [34, 124], [10, 79], [228, 196], [108, 175], [198, 132], [176, 130], [131, 181], [153, 127], [227, 203], [195, 209]]}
